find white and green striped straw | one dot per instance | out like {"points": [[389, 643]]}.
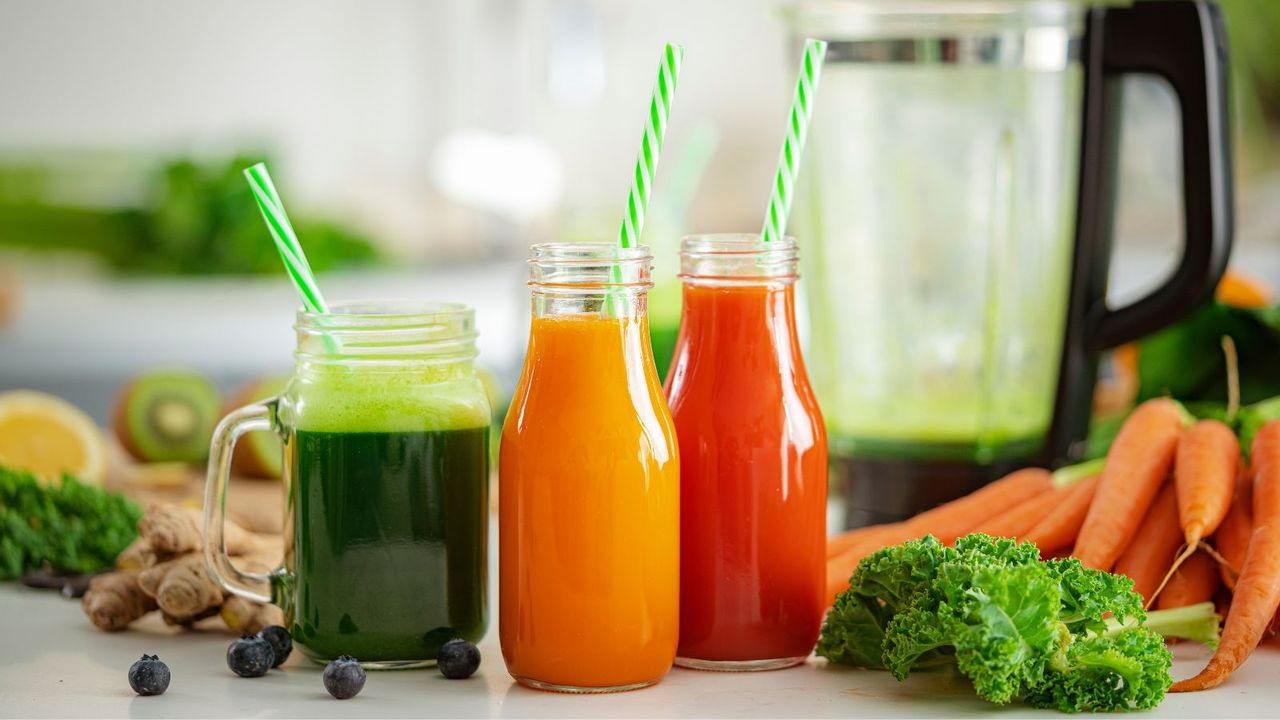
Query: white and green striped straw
{"points": [[295, 261], [784, 183], [655, 129]]}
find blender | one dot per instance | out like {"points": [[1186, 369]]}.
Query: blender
{"points": [[959, 195]]}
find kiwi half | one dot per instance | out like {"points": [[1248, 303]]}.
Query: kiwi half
{"points": [[167, 416], [258, 454]]}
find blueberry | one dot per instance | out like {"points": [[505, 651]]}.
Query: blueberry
{"points": [[343, 677], [458, 659], [149, 676], [250, 656], [280, 640]]}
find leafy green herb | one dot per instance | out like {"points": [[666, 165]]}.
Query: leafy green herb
{"points": [[1056, 634], [68, 526], [1185, 360], [198, 218]]}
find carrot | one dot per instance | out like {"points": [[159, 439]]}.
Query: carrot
{"points": [[1057, 533], [841, 542], [840, 570], [1196, 581], [1137, 463], [1150, 555], [945, 522], [1017, 520], [1205, 474], [1231, 540], [950, 521], [1257, 593]]}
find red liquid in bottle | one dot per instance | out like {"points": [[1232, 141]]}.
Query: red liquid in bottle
{"points": [[753, 462]]}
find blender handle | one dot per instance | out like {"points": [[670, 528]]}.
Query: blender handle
{"points": [[1184, 42]]}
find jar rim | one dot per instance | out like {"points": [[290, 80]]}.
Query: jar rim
{"points": [[384, 314]]}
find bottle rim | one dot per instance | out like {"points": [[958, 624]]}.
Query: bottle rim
{"points": [[589, 266], [738, 258], [587, 252]]}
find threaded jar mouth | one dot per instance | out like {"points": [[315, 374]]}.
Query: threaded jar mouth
{"points": [[372, 331], [738, 259], [589, 267]]}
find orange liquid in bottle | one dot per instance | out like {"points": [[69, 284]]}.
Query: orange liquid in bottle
{"points": [[753, 458], [589, 510]]}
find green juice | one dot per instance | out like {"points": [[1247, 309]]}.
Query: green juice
{"points": [[386, 556]]}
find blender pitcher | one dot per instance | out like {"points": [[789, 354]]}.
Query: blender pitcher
{"points": [[959, 196]]}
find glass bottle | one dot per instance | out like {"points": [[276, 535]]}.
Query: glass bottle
{"points": [[753, 459], [589, 483]]}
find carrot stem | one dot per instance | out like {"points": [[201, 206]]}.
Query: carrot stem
{"points": [[1233, 377], [1069, 475]]}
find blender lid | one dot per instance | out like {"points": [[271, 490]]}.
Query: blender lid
{"points": [[1036, 34], [878, 18]]}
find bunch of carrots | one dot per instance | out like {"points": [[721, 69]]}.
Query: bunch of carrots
{"points": [[1173, 506]]}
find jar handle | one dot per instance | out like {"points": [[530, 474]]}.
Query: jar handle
{"points": [[249, 585]]}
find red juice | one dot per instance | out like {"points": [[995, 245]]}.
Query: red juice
{"points": [[753, 461]]}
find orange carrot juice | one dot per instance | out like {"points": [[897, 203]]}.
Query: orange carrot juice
{"points": [[589, 509]]}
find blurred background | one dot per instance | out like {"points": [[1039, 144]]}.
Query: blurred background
{"points": [[421, 146]]}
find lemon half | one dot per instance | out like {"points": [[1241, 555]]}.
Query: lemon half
{"points": [[48, 436]]}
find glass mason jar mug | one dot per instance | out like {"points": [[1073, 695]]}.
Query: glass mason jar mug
{"points": [[589, 483], [753, 460], [385, 427]]}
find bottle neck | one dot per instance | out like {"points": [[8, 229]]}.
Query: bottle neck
{"points": [[759, 313], [590, 279], [738, 261], [632, 304], [739, 291]]}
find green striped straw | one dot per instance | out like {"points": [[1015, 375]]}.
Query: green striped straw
{"points": [[295, 261], [655, 129], [775, 222]]}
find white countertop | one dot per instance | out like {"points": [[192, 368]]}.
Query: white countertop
{"points": [[53, 663]]}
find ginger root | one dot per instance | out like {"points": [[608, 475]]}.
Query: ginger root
{"points": [[182, 587], [175, 529], [165, 569], [115, 599], [137, 557]]}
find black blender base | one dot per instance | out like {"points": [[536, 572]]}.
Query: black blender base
{"points": [[881, 491]]}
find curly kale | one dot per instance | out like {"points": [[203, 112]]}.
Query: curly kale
{"points": [[1128, 670], [65, 526], [883, 585], [1055, 633], [1089, 596]]}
